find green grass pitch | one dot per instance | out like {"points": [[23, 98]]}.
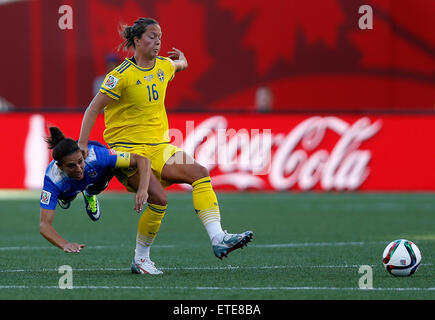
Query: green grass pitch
{"points": [[306, 246]]}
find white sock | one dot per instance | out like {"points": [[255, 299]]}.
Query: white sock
{"points": [[214, 231], [211, 220], [141, 252]]}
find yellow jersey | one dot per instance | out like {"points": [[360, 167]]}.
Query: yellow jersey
{"points": [[137, 115]]}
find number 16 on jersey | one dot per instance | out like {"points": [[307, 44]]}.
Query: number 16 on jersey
{"points": [[152, 93]]}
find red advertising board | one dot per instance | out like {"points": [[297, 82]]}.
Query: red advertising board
{"points": [[273, 152]]}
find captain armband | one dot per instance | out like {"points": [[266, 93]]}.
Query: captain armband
{"points": [[122, 159]]}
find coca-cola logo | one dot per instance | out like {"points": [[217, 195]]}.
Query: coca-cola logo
{"points": [[253, 158], [345, 167]]}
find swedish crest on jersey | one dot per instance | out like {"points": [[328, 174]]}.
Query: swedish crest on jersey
{"points": [[161, 75]]}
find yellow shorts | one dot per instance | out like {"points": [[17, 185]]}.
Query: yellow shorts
{"points": [[158, 155]]}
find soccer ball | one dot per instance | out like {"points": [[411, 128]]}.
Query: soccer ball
{"points": [[401, 258]]}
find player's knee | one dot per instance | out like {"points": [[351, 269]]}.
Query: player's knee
{"points": [[160, 198], [199, 173], [202, 172]]}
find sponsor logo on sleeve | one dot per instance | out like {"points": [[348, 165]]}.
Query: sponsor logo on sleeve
{"points": [[45, 197], [111, 82]]}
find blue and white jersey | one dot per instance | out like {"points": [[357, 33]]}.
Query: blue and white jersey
{"points": [[57, 185]]}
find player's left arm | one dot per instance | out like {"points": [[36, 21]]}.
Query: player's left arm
{"points": [[178, 59]]}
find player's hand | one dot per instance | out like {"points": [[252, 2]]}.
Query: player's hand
{"points": [[140, 200], [176, 54], [73, 247], [84, 148], [178, 59]]}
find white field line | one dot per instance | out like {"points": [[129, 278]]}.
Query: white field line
{"points": [[88, 247], [184, 268], [19, 194], [218, 288], [276, 245], [285, 245], [346, 266], [317, 244]]}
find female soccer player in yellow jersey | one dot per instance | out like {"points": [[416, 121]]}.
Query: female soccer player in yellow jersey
{"points": [[133, 96]]}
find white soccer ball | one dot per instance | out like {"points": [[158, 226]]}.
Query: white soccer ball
{"points": [[401, 258]]}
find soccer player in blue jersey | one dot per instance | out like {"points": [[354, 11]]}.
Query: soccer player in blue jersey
{"points": [[69, 174]]}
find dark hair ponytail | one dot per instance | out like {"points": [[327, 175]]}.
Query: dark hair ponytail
{"points": [[136, 30], [60, 145]]}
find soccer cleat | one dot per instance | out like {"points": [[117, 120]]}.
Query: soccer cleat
{"points": [[144, 266], [92, 207], [230, 242]]}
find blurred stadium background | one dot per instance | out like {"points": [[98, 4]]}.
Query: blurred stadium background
{"points": [[251, 66], [344, 109]]}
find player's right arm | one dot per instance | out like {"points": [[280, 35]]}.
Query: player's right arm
{"points": [[141, 178], [110, 90], [92, 111], [48, 232], [144, 170]]}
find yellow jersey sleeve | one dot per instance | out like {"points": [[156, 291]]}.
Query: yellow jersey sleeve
{"points": [[114, 82], [170, 69]]}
